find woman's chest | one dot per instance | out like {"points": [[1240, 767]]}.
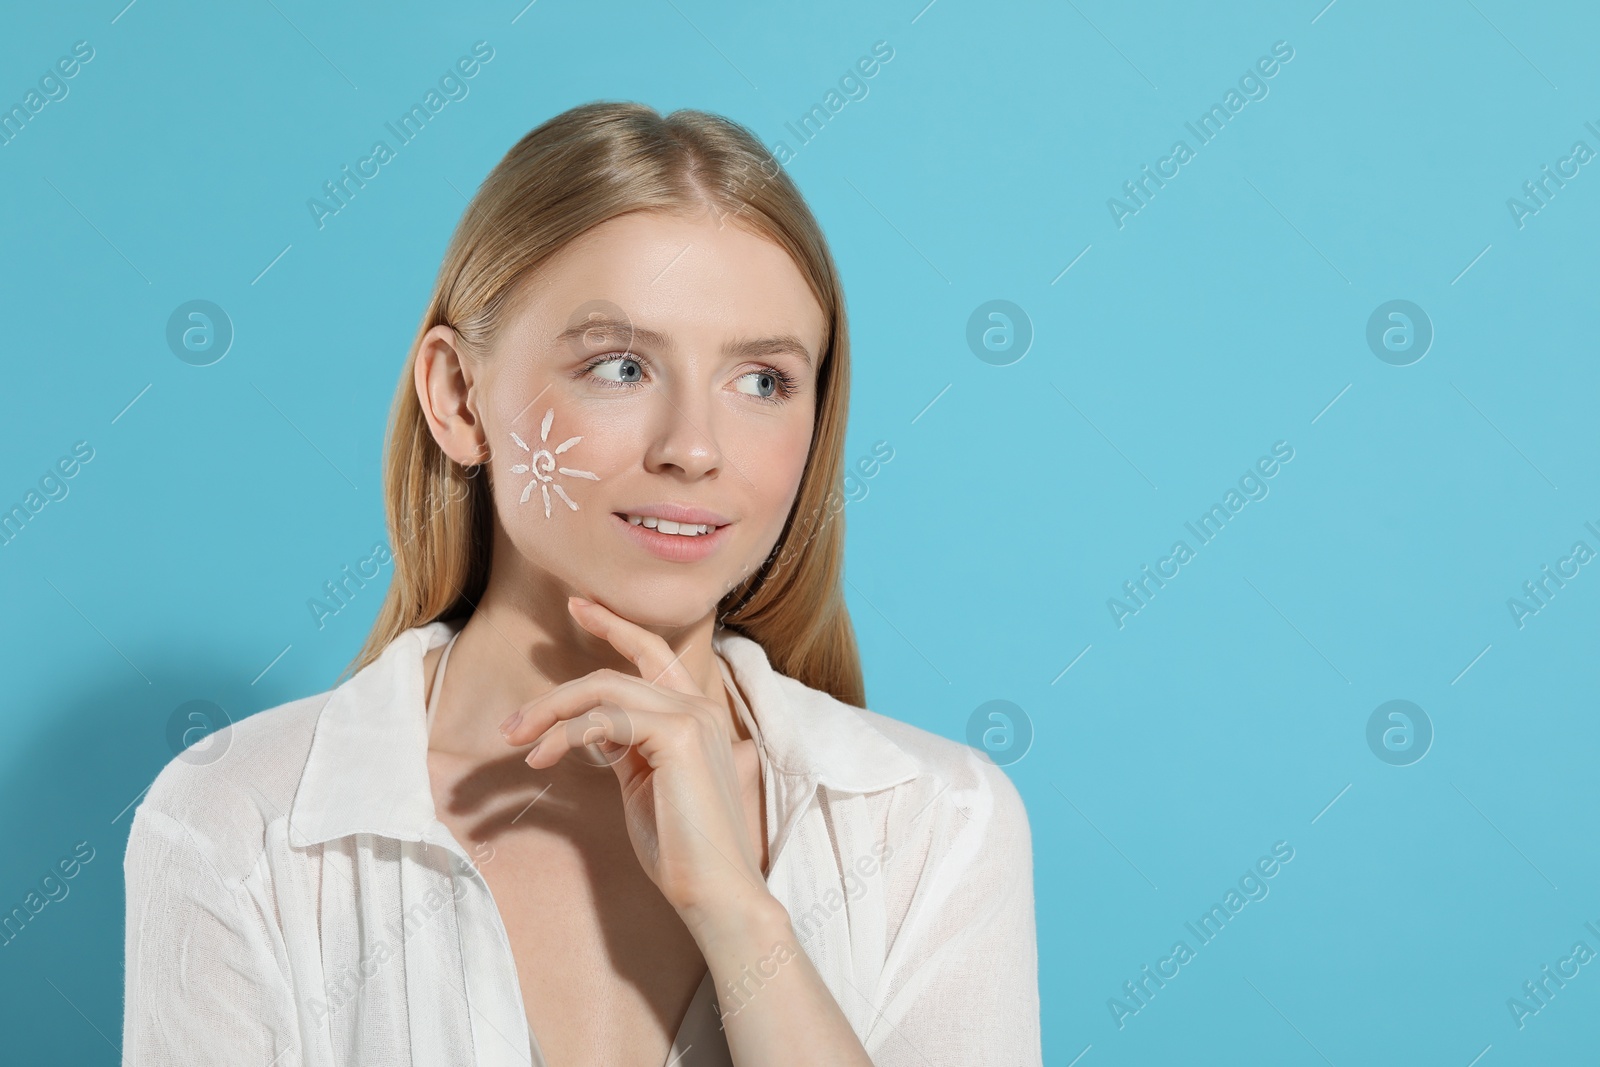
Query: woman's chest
{"points": [[606, 969], [605, 966]]}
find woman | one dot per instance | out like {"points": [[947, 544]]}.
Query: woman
{"points": [[643, 817]]}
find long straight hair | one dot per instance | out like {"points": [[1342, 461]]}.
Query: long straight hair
{"points": [[586, 165]]}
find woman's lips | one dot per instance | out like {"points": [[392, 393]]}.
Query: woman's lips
{"points": [[675, 548]]}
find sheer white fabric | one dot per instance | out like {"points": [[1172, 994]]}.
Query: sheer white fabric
{"points": [[297, 902]]}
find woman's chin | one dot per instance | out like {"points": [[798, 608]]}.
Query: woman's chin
{"points": [[663, 612]]}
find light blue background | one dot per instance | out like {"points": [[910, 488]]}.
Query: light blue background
{"points": [[1228, 314]]}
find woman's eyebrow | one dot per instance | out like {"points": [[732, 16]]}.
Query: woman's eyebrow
{"points": [[604, 331], [766, 346]]}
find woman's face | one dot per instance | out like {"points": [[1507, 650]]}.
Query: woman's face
{"points": [[657, 369]]}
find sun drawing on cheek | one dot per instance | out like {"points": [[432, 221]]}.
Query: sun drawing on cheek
{"points": [[542, 462]]}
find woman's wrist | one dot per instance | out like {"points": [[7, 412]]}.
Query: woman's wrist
{"points": [[753, 920]]}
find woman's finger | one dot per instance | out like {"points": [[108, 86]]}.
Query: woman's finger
{"points": [[573, 698], [649, 733], [647, 651]]}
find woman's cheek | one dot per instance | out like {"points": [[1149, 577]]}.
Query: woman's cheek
{"points": [[546, 466]]}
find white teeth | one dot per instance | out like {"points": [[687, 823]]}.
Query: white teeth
{"points": [[667, 526]]}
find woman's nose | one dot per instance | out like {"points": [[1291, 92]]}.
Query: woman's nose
{"points": [[682, 437]]}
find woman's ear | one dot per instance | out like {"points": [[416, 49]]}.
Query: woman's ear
{"points": [[446, 389]]}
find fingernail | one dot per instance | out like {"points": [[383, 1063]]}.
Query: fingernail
{"points": [[511, 722], [532, 752], [580, 601]]}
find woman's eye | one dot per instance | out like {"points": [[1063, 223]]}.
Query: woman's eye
{"points": [[622, 369], [765, 384]]}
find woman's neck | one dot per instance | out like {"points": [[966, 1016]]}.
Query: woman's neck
{"points": [[507, 655]]}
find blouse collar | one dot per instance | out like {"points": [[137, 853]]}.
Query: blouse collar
{"points": [[367, 770]]}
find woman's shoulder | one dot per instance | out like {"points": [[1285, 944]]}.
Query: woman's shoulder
{"points": [[946, 808], [221, 792], [928, 770], [952, 769]]}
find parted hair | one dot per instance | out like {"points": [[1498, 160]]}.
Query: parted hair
{"points": [[589, 164]]}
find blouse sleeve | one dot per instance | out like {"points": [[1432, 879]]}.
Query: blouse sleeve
{"points": [[202, 982], [962, 973]]}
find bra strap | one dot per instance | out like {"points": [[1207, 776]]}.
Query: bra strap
{"points": [[438, 683], [740, 707]]}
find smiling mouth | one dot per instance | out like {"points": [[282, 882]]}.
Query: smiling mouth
{"points": [[667, 526]]}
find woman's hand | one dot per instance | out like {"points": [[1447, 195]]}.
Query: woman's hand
{"points": [[670, 748]]}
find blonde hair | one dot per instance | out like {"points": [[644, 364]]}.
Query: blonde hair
{"points": [[586, 165]]}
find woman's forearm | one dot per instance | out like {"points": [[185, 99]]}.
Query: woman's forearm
{"points": [[776, 1010]]}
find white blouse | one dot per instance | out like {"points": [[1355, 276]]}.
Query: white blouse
{"points": [[296, 903]]}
